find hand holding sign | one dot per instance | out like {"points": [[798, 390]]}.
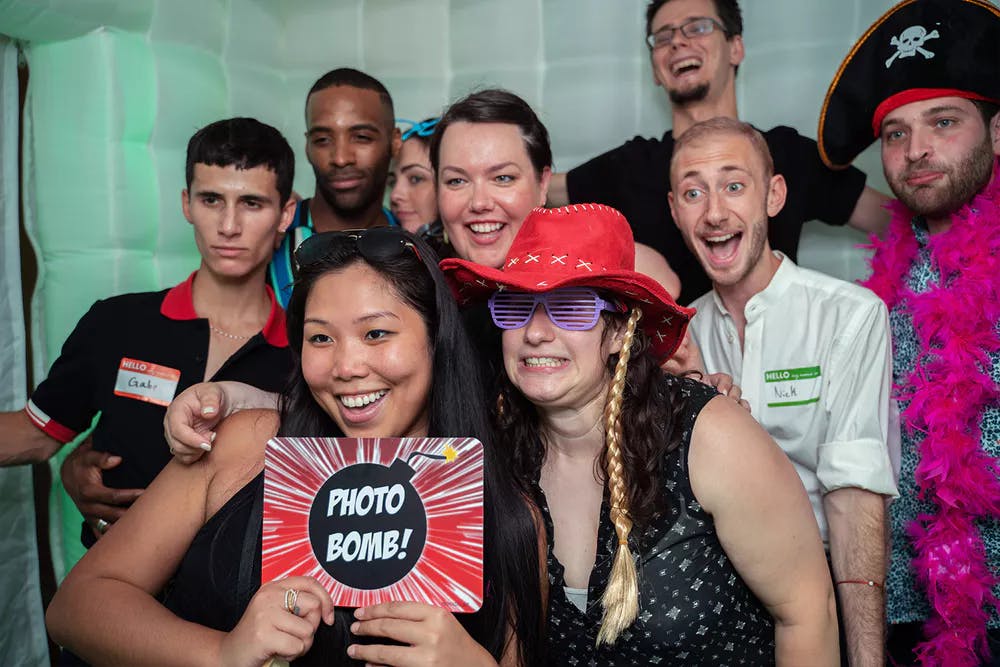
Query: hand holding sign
{"points": [[432, 636], [267, 629]]}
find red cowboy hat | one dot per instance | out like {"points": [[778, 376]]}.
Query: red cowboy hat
{"points": [[583, 245]]}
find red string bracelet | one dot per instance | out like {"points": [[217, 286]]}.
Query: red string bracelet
{"points": [[863, 582]]}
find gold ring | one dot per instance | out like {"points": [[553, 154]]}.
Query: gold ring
{"points": [[291, 597]]}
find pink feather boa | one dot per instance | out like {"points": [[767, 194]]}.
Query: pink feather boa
{"points": [[955, 322]]}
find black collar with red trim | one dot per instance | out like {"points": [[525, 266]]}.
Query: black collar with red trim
{"points": [[178, 304]]}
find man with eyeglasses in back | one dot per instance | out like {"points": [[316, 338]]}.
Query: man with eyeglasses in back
{"points": [[695, 48]]}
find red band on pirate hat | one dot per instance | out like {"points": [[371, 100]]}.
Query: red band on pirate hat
{"points": [[582, 245]]}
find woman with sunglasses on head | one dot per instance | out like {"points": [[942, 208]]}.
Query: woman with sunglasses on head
{"points": [[412, 191], [677, 530], [370, 318]]}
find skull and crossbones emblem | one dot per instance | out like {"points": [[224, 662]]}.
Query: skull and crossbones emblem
{"points": [[911, 42]]}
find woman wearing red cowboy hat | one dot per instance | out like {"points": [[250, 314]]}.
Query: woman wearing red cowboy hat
{"points": [[675, 527]]}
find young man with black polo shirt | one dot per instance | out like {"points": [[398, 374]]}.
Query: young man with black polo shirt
{"points": [[696, 47], [130, 354]]}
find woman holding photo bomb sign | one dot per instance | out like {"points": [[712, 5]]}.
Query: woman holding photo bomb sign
{"points": [[381, 351]]}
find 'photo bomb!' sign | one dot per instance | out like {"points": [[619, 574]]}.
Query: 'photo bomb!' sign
{"points": [[377, 519]]}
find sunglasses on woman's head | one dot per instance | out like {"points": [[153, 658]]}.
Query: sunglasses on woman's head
{"points": [[570, 308], [375, 244], [421, 129]]}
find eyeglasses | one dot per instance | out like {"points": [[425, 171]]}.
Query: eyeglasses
{"points": [[693, 28], [376, 244], [422, 129], [570, 308]]}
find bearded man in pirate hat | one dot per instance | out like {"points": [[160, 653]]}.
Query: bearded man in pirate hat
{"points": [[925, 81]]}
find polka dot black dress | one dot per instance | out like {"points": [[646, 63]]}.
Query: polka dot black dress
{"points": [[694, 609]]}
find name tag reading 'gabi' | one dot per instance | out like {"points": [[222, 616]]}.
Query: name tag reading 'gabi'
{"points": [[377, 519], [145, 381], [792, 386]]}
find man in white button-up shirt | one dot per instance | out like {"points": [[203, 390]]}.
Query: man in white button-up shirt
{"points": [[811, 353]]}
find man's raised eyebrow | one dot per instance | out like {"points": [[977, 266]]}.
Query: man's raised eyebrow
{"points": [[694, 173]]}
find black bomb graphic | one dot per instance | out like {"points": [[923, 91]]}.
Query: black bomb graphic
{"points": [[367, 525]]}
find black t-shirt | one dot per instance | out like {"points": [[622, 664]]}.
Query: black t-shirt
{"points": [[635, 179], [151, 328]]}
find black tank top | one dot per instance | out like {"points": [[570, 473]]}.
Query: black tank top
{"points": [[694, 609]]}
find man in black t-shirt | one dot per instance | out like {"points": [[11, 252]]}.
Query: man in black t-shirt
{"points": [[696, 47], [130, 354]]}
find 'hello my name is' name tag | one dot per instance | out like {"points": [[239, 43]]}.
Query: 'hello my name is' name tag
{"points": [[792, 386], [145, 381]]}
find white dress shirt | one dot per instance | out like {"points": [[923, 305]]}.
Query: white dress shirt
{"points": [[815, 368]]}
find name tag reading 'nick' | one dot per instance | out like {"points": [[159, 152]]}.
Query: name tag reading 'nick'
{"points": [[792, 386], [377, 519]]}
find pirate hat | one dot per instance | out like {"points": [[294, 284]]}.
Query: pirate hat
{"points": [[918, 50], [583, 245]]}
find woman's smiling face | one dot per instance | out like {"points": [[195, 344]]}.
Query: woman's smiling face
{"points": [[487, 185], [366, 355]]}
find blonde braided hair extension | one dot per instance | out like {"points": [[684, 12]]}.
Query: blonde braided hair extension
{"points": [[621, 596]]}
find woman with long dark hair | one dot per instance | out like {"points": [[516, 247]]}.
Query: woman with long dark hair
{"points": [[677, 530], [380, 351]]}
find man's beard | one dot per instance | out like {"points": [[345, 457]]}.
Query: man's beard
{"points": [[682, 97], [964, 180], [352, 206]]}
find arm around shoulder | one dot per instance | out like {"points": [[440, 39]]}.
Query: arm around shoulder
{"points": [[766, 526]]}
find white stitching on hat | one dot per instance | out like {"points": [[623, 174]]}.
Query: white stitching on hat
{"points": [[585, 265], [561, 259], [513, 261], [660, 336], [481, 282], [667, 319], [532, 258], [544, 283]]}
